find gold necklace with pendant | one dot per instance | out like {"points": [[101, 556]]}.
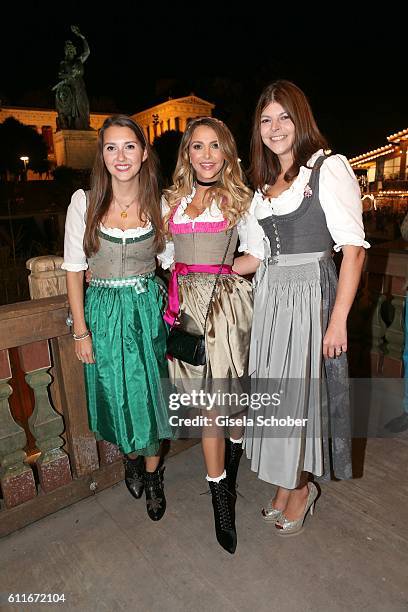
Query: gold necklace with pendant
{"points": [[123, 213]]}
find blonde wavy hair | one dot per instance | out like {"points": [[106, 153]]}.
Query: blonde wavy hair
{"points": [[230, 193]]}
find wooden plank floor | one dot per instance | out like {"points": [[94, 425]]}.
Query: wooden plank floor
{"points": [[104, 553]]}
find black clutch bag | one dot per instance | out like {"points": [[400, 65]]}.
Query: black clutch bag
{"points": [[186, 346]]}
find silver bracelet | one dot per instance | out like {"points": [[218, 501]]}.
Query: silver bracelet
{"points": [[81, 336]]}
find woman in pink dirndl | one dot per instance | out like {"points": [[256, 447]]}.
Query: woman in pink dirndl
{"points": [[204, 208]]}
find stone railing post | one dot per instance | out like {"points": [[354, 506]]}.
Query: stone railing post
{"points": [[367, 329], [395, 338], [16, 477], [46, 278], [393, 362], [378, 327], [45, 423], [108, 453], [81, 442]]}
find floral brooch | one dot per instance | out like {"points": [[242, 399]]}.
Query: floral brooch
{"points": [[308, 191]]}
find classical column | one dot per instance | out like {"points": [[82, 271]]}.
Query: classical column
{"points": [[45, 423], [183, 124], [16, 477]]}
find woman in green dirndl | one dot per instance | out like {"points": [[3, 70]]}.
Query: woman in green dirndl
{"points": [[116, 231]]}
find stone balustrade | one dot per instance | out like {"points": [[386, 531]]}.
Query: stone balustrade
{"points": [[376, 324], [68, 464]]}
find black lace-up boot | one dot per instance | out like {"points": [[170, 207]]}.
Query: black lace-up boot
{"points": [[224, 515], [134, 471], [233, 454], [155, 499]]}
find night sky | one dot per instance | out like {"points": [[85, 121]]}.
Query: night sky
{"points": [[353, 71]]}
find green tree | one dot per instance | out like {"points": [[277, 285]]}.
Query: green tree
{"points": [[166, 147], [66, 181], [17, 140]]}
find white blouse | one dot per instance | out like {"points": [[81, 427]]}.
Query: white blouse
{"points": [[339, 195], [74, 255], [211, 214]]}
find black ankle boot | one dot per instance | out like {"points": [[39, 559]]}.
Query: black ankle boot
{"points": [[134, 471], [155, 499], [224, 515], [233, 454]]}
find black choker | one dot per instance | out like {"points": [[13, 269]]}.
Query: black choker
{"points": [[204, 184]]}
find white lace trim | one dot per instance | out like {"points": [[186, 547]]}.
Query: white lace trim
{"points": [[133, 232], [288, 200], [210, 214]]}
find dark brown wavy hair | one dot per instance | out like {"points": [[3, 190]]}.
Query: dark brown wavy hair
{"points": [[264, 164], [100, 196]]}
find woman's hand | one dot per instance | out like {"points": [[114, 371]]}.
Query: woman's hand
{"points": [[245, 264], [335, 339], [88, 276], [84, 351]]}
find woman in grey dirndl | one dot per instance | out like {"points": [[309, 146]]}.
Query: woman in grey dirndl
{"points": [[305, 201]]}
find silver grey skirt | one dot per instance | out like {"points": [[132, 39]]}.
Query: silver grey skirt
{"points": [[292, 304]]}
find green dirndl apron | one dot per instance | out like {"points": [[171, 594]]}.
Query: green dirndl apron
{"points": [[127, 403]]}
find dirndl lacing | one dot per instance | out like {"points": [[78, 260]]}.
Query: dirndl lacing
{"points": [[139, 282]]}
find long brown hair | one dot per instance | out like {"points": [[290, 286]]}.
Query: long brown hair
{"points": [[230, 193], [265, 166], [100, 196]]}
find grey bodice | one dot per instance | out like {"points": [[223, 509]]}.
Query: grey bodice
{"points": [[204, 247], [119, 258], [305, 229]]}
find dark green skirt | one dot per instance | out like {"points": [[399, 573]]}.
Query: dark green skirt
{"points": [[127, 403]]}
